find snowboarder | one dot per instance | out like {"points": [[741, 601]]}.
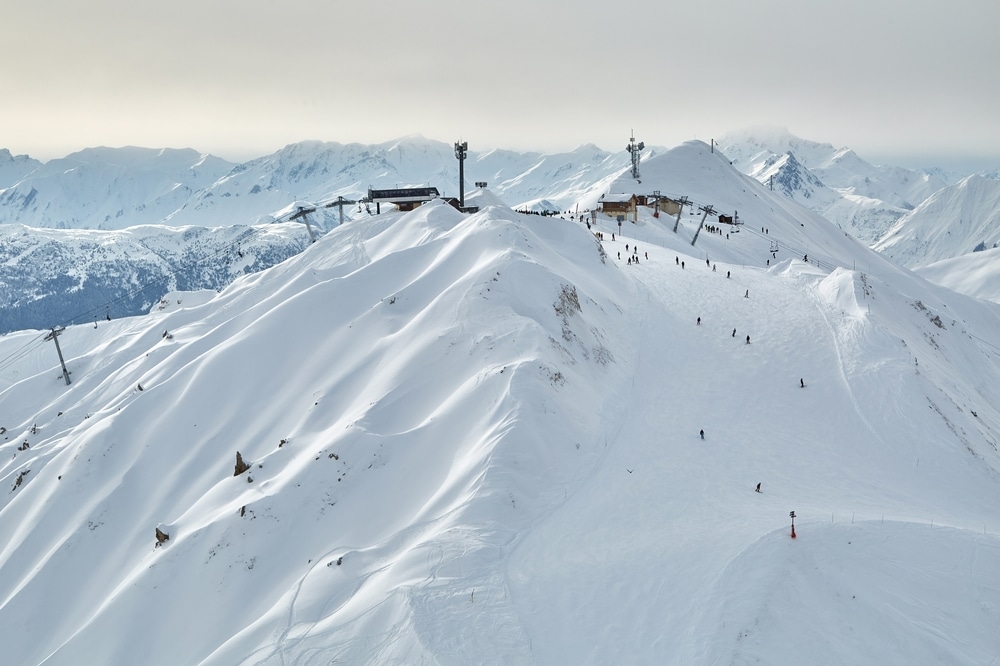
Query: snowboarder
{"points": [[702, 433], [758, 487]]}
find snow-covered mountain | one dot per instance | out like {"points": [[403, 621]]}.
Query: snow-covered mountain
{"points": [[115, 188], [956, 220], [109, 188], [863, 199], [15, 167], [475, 439], [976, 274], [54, 277]]}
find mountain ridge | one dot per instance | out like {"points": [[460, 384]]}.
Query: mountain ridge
{"points": [[476, 437]]}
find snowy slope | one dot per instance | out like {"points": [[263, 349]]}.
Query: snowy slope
{"points": [[975, 274], [15, 167], [109, 188], [473, 439], [957, 220]]}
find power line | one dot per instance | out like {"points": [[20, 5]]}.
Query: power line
{"points": [[23, 351]]}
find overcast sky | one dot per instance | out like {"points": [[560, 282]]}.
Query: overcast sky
{"points": [[909, 82]]}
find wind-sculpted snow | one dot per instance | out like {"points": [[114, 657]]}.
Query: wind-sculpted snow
{"points": [[475, 439], [425, 358]]}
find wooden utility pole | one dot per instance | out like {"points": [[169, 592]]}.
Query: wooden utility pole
{"points": [[54, 337]]}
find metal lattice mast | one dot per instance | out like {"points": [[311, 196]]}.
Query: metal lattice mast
{"points": [[461, 150], [635, 149]]}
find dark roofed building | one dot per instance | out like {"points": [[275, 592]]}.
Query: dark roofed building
{"points": [[404, 198]]}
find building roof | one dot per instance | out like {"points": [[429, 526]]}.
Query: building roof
{"points": [[403, 194], [616, 198]]}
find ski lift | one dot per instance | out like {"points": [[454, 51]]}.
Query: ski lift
{"points": [[774, 247]]}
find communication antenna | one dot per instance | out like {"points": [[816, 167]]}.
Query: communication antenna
{"points": [[634, 149], [461, 150]]}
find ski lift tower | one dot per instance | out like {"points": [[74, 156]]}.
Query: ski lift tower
{"points": [[461, 150], [634, 149], [304, 214]]}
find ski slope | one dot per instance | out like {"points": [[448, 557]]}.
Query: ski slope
{"points": [[474, 439]]}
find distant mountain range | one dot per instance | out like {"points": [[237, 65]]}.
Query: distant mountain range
{"points": [[116, 188], [915, 217], [56, 277]]}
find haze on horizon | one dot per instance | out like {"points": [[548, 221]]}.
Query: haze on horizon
{"points": [[903, 82]]}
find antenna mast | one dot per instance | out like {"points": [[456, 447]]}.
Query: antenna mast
{"points": [[461, 150], [634, 149]]}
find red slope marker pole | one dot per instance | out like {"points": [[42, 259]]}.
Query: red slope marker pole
{"points": [[792, 514]]}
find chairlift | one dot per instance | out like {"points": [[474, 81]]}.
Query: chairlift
{"points": [[774, 247]]}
